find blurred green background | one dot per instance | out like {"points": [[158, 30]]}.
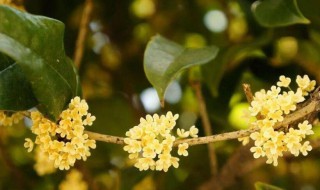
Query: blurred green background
{"points": [[118, 92]]}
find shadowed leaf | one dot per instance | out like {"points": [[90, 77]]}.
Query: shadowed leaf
{"points": [[275, 13]]}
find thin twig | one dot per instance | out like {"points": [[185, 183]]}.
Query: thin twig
{"points": [[242, 161], [105, 138], [311, 107], [206, 125], [87, 11], [247, 91], [190, 141]]}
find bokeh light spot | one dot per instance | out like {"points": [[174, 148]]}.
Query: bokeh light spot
{"points": [[150, 100], [215, 21]]}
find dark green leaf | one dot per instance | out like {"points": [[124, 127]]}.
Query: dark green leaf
{"points": [[15, 90], [36, 44], [164, 59], [230, 57], [275, 13], [264, 186]]}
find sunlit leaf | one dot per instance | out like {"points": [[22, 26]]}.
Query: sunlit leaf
{"points": [[164, 59], [264, 186], [35, 43], [275, 13]]}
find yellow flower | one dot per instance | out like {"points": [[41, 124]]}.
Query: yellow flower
{"points": [[28, 144], [151, 142], [258, 151], [194, 131], [64, 143], [305, 148], [273, 105], [182, 149], [305, 84], [305, 128], [182, 133], [284, 81], [244, 140]]}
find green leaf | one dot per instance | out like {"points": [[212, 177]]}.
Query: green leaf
{"points": [[276, 13], [15, 91], [231, 57], [264, 186], [35, 43], [164, 60]]}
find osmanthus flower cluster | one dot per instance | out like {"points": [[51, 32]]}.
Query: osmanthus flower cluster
{"points": [[14, 118], [271, 107], [150, 143], [65, 142]]}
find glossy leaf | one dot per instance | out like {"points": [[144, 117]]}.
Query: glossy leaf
{"points": [[164, 60], [264, 186], [275, 13], [14, 83], [35, 43]]}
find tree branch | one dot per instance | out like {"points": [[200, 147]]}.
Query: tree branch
{"points": [[311, 107], [242, 161], [196, 85], [82, 32]]}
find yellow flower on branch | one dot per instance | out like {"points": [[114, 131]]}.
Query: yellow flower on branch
{"points": [[272, 106], [65, 142], [150, 143]]}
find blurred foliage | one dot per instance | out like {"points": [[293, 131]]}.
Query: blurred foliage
{"points": [[254, 47]]}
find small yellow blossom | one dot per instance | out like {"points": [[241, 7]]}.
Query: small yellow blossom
{"points": [[28, 144], [305, 84], [305, 128], [284, 81], [193, 131], [258, 152], [305, 148], [182, 149], [182, 133], [244, 140], [150, 143]]}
